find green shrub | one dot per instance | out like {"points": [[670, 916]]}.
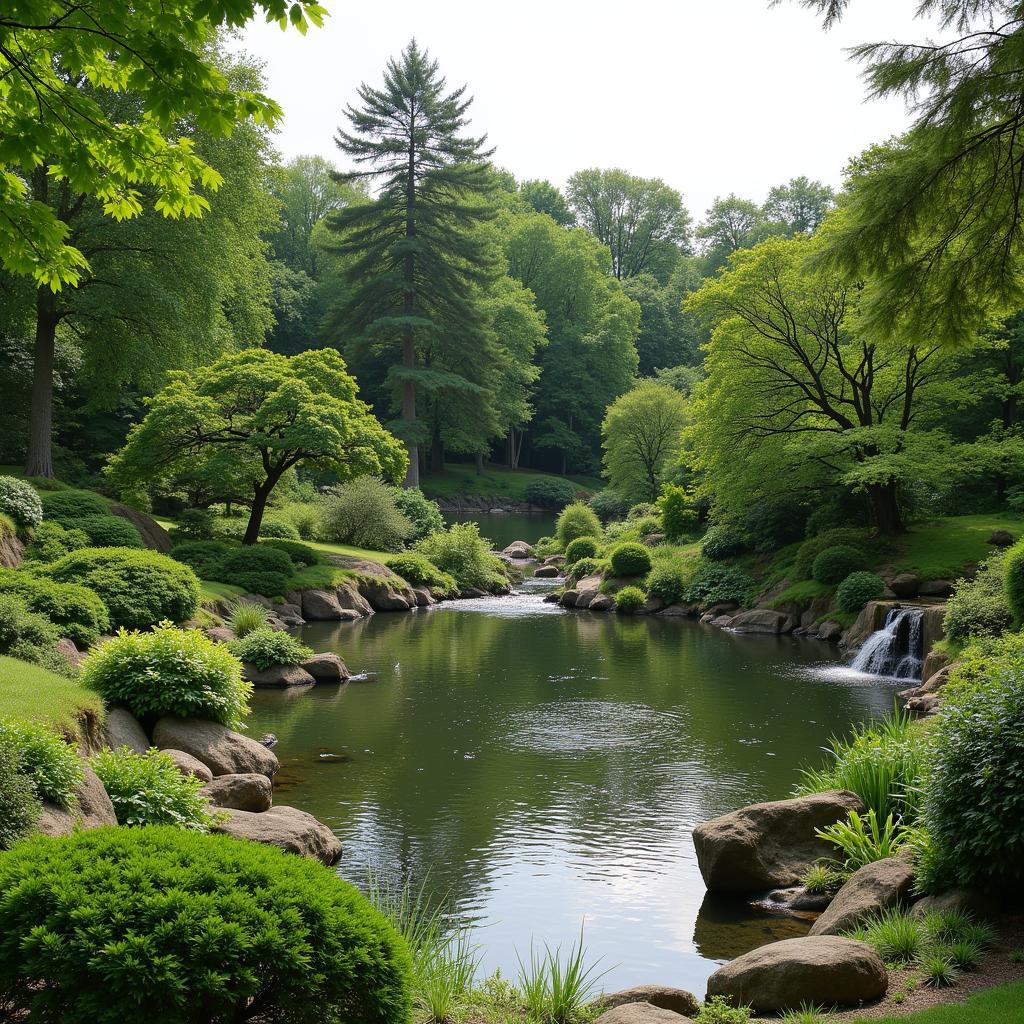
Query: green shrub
{"points": [[256, 568], [576, 520], [47, 759], [581, 547], [642, 510], [204, 556], [149, 789], [51, 541], [278, 528], [107, 531], [898, 938], [937, 969], [76, 611], [646, 525], [628, 599], [863, 839], [670, 581], [19, 804], [424, 514], [717, 1010], [169, 672], [139, 588], [678, 516], [68, 507], [29, 636], [420, 572], [979, 607], [584, 567], [265, 647], [20, 501], [630, 559], [305, 515], [464, 555], [609, 504], [823, 877], [974, 787], [550, 493], [810, 549], [719, 584], [857, 589], [364, 512], [300, 554], [723, 541], [244, 618], [834, 564], [83, 942], [195, 524]]}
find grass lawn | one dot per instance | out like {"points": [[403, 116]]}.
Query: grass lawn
{"points": [[33, 693], [210, 591], [499, 481], [348, 549], [1002, 1005], [944, 548]]}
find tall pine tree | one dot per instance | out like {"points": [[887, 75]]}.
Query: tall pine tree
{"points": [[416, 260]]}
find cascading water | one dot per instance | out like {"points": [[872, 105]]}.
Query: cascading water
{"points": [[895, 649]]}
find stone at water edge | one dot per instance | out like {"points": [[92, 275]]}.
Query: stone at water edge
{"points": [[761, 620], [867, 892], [547, 572], [641, 1013], [92, 809], [242, 792], [677, 1000], [518, 550], [905, 584], [222, 750], [824, 970], [277, 675], [122, 729], [287, 828], [189, 765], [326, 668], [769, 845]]}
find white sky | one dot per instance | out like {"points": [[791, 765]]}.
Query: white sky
{"points": [[713, 96]]}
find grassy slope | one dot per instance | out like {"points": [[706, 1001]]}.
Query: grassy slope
{"points": [[497, 481], [944, 548], [30, 692], [1001, 1005]]}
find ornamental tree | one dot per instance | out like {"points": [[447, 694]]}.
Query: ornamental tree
{"points": [[250, 418]]}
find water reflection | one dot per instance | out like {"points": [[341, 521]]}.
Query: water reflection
{"points": [[543, 766]]}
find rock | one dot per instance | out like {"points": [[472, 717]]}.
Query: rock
{"points": [[870, 890], [677, 611], [222, 750], [552, 598], [824, 970], [471, 593], [641, 1013], [796, 899], [547, 572], [651, 606], [926, 704], [326, 668], [585, 597], [189, 765], [518, 549], [92, 809], [554, 560], [721, 622], [934, 663], [353, 604], [387, 595], [121, 729], [1001, 539], [662, 996], [602, 603], [424, 598], [759, 620], [905, 584], [69, 652], [969, 901], [277, 675], [153, 535], [935, 588], [321, 606], [242, 792], [221, 634], [12, 551], [830, 632], [569, 598], [769, 845], [288, 828]]}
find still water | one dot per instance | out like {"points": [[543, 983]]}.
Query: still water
{"points": [[501, 528], [545, 767]]}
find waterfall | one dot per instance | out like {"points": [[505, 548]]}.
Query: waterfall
{"points": [[895, 649]]}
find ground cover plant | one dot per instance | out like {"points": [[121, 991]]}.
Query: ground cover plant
{"points": [[266, 648]]}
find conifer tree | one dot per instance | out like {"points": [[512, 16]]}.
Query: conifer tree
{"points": [[417, 263]]}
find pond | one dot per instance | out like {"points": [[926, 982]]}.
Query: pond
{"points": [[543, 768], [501, 528]]}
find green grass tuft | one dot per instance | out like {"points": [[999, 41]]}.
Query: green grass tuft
{"points": [[31, 693]]}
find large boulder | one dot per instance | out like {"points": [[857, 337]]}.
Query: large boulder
{"points": [[222, 750], [12, 551], [975, 902], [1001, 539], [321, 606], [869, 890], [936, 588], [326, 668], [823, 969], [905, 584], [277, 675], [152, 533], [287, 828], [641, 1013], [677, 1000], [189, 765], [547, 572], [387, 594], [769, 845], [242, 792], [92, 809], [760, 620], [121, 729], [518, 550]]}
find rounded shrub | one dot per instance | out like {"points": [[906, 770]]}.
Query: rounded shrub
{"points": [[609, 504], [630, 559], [204, 556], [265, 648], [551, 493], [139, 588], [857, 589], [1013, 579], [107, 531], [29, 636], [150, 789], [678, 516], [979, 607], [83, 942], [20, 501], [195, 524], [464, 555], [834, 564], [276, 527], [723, 541], [584, 567], [76, 611], [668, 581], [421, 572], [299, 553], [51, 541], [719, 584], [50, 762], [19, 804], [169, 672], [424, 514], [364, 512], [628, 599], [581, 547], [810, 549], [576, 520], [70, 506], [256, 568]]}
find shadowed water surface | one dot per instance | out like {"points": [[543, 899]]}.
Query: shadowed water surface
{"points": [[543, 766]]}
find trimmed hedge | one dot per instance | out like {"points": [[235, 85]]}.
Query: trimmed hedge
{"points": [[628, 599], [19, 805], [107, 531], [630, 559], [76, 611], [51, 541], [581, 547], [219, 926], [833, 565], [810, 549], [554, 494], [29, 636], [857, 589], [204, 556], [576, 520], [257, 568], [723, 541], [299, 553], [265, 648], [68, 507], [421, 572]]}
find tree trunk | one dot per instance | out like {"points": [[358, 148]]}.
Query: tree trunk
{"points": [[39, 461], [478, 461], [412, 475], [259, 506], [885, 508], [436, 452]]}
